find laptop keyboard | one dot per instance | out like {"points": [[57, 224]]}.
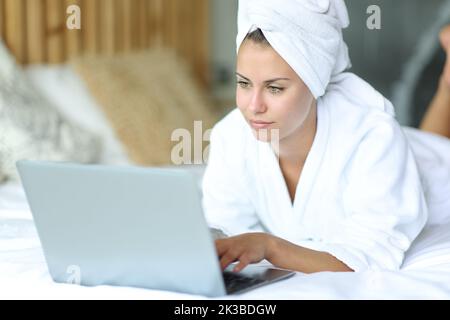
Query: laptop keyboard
{"points": [[236, 282]]}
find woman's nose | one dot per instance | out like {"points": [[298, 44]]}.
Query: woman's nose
{"points": [[257, 104]]}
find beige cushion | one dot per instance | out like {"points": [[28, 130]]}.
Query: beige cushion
{"points": [[146, 96]]}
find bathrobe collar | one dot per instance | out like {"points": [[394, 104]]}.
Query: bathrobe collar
{"points": [[272, 176]]}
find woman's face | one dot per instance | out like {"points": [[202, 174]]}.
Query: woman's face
{"points": [[269, 93]]}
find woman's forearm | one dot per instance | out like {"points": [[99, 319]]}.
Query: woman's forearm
{"points": [[437, 117], [286, 255]]}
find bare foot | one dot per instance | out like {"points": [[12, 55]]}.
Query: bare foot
{"points": [[444, 37]]}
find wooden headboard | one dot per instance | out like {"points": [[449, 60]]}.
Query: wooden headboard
{"points": [[36, 32]]}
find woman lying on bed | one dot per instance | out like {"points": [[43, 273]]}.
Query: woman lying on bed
{"points": [[437, 118], [311, 172]]}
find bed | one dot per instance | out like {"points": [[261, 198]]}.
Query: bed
{"points": [[23, 271], [425, 273]]}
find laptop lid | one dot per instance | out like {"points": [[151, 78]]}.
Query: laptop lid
{"points": [[128, 226]]}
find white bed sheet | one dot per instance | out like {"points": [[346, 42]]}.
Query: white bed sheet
{"points": [[24, 275]]}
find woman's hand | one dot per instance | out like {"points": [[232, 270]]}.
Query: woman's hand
{"points": [[246, 248], [254, 247]]}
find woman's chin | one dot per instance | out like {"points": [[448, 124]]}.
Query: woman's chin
{"points": [[266, 135]]}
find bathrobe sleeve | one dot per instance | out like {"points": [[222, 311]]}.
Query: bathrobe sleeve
{"points": [[383, 200], [226, 200]]}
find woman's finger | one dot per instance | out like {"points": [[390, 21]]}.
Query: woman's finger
{"points": [[243, 262], [221, 247], [227, 259]]}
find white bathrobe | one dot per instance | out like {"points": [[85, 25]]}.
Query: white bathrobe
{"points": [[359, 196]]}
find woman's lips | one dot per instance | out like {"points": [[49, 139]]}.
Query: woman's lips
{"points": [[260, 124]]}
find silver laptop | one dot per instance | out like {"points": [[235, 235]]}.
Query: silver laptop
{"points": [[129, 226]]}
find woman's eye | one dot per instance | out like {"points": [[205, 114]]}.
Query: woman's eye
{"points": [[275, 90], [243, 84]]}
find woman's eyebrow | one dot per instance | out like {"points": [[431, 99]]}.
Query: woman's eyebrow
{"points": [[267, 81], [240, 75]]}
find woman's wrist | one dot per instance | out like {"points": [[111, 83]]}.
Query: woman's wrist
{"points": [[271, 247]]}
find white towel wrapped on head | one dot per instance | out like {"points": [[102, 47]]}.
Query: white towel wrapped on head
{"points": [[307, 34]]}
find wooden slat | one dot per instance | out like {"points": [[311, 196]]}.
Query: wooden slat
{"points": [[150, 22], [166, 24], [118, 28], [134, 24], [127, 24], [15, 28], [143, 31], [56, 25], [180, 26], [107, 27], [35, 15], [185, 16], [2, 19], [73, 37], [202, 41], [156, 18], [174, 24], [90, 26]]}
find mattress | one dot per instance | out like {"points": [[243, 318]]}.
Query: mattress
{"points": [[24, 273]]}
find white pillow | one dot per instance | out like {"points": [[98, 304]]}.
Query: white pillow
{"points": [[432, 153], [31, 128], [430, 249], [61, 85], [7, 64]]}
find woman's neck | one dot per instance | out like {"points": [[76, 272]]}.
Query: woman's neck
{"points": [[295, 148]]}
